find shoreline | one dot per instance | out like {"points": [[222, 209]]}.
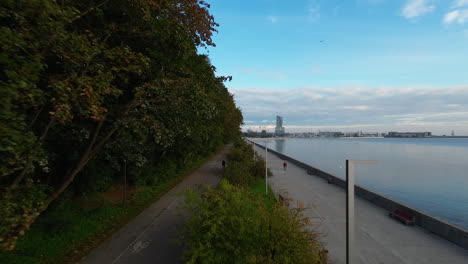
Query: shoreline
{"points": [[271, 138]]}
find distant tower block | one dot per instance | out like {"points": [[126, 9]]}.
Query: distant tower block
{"points": [[279, 129], [453, 133]]}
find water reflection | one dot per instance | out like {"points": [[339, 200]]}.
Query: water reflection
{"points": [[279, 145]]}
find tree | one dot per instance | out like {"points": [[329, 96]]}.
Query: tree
{"points": [[87, 80]]}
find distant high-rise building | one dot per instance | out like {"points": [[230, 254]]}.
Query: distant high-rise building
{"points": [[279, 130], [279, 121]]}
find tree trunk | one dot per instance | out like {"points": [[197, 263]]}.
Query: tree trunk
{"points": [[91, 150]]}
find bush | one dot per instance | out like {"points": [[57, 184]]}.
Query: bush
{"points": [[17, 208], [241, 169], [231, 225], [236, 155], [239, 173]]}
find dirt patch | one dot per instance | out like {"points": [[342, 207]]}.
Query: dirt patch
{"points": [[116, 194]]}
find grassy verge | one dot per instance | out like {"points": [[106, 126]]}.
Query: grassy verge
{"points": [[73, 227], [257, 188]]}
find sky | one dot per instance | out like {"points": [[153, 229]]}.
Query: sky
{"points": [[349, 65]]}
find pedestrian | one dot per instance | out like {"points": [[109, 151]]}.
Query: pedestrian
{"points": [[224, 164], [285, 165]]}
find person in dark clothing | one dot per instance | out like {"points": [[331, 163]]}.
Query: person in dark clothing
{"points": [[285, 165], [224, 164]]}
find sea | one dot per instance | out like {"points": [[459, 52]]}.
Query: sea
{"points": [[429, 174]]}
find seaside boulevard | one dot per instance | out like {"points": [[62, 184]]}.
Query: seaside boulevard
{"points": [[379, 239]]}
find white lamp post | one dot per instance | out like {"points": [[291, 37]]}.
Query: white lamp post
{"points": [[266, 169], [253, 147], [350, 206]]}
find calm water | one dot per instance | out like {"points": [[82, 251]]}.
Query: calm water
{"points": [[430, 174]]}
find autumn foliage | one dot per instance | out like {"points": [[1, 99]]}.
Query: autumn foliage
{"points": [[88, 84]]}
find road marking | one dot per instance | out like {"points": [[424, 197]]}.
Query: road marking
{"points": [[144, 231], [139, 246]]}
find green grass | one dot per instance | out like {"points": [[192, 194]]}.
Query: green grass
{"points": [[68, 231], [258, 189]]}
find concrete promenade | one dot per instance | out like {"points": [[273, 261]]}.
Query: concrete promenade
{"points": [[152, 236], [379, 238]]}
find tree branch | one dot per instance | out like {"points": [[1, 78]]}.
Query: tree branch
{"points": [[89, 153], [30, 158], [89, 10]]}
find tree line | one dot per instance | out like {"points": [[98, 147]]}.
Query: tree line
{"points": [[88, 84]]}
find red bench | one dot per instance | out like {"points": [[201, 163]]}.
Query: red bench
{"points": [[403, 216]]}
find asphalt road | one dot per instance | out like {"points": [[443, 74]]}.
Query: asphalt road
{"points": [[379, 238], [152, 236]]}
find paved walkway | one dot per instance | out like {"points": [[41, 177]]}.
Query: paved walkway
{"points": [[379, 239], [152, 236]]}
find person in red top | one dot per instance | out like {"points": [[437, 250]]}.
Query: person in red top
{"points": [[285, 165]]}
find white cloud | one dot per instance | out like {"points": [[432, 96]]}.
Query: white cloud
{"points": [[356, 107], [420, 117], [416, 8], [272, 19], [459, 16], [332, 107], [460, 3], [313, 96]]}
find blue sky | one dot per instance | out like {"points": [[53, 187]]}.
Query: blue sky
{"points": [[356, 64]]}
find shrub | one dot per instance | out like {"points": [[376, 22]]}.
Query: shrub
{"points": [[236, 155], [242, 169], [239, 173], [17, 210], [230, 225]]}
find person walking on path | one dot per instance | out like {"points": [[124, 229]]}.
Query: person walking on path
{"points": [[285, 165], [224, 164]]}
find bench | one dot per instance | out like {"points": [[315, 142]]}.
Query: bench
{"points": [[403, 216]]}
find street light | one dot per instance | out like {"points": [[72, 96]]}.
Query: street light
{"points": [[253, 148], [350, 205], [266, 168]]}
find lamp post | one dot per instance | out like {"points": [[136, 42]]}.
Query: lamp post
{"points": [[350, 205], [253, 147], [125, 182], [266, 168]]}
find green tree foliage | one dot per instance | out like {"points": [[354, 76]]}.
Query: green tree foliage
{"points": [[242, 169], [89, 83], [230, 225]]}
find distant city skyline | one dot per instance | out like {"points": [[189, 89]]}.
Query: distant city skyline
{"points": [[384, 64], [361, 128]]}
